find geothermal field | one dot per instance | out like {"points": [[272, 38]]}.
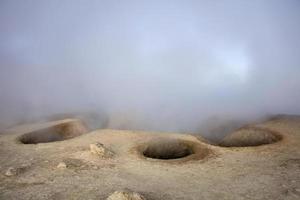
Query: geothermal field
{"points": [[149, 100], [65, 160]]}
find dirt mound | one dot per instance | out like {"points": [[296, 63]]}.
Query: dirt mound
{"points": [[250, 136], [58, 132]]}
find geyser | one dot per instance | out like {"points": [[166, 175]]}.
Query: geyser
{"points": [[167, 149], [173, 149], [59, 132], [251, 136]]}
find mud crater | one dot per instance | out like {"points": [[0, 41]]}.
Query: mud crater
{"points": [[173, 150], [55, 133], [251, 136]]}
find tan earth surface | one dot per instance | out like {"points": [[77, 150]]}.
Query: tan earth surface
{"points": [[63, 160]]}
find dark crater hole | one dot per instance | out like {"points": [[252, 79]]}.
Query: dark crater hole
{"points": [[167, 149]]}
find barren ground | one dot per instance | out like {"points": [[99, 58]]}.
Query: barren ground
{"points": [[260, 172]]}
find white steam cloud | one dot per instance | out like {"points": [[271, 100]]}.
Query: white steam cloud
{"points": [[153, 65]]}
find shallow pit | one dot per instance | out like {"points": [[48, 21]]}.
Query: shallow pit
{"points": [[173, 150], [167, 149], [58, 132], [251, 136]]}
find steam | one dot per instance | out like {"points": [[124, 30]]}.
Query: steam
{"points": [[151, 65]]}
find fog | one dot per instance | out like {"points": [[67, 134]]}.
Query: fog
{"points": [[184, 66]]}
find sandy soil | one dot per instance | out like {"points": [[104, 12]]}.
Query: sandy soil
{"points": [[29, 171]]}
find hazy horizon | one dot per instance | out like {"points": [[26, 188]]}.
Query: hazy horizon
{"points": [[152, 65]]}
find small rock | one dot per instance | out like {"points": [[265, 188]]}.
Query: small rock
{"points": [[11, 172], [62, 165], [95, 167], [125, 195], [100, 150]]}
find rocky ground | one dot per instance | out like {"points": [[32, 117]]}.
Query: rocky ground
{"points": [[62, 160]]}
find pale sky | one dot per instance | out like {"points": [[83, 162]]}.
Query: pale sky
{"points": [[155, 65]]}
